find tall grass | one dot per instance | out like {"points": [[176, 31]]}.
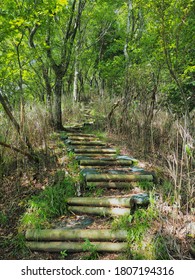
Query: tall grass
{"points": [[168, 142]]}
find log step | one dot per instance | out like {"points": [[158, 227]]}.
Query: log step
{"points": [[76, 127], [76, 246], [105, 169], [82, 139], [86, 144], [100, 201], [95, 155], [118, 177], [75, 234], [90, 147], [110, 162], [110, 185], [95, 151], [76, 134], [99, 211]]}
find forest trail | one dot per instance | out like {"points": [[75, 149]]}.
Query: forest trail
{"points": [[115, 179]]}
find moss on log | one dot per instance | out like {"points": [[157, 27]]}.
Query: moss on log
{"points": [[100, 201], [76, 246], [100, 211], [75, 234], [82, 139], [78, 147], [111, 185], [118, 177], [106, 162], [86, 144], [95, 155], [95, 151], [76, 134]]}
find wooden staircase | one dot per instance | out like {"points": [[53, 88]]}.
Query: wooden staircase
{"points": [[101, 167]]}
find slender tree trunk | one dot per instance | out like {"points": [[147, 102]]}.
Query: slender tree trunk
{"points": [[75, 84], [6, 107], [58, 102], [48, 93], [16, 125]]}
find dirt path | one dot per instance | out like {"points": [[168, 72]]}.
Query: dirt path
{"points": [[112, 180]]}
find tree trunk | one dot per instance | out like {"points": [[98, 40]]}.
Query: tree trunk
{"points": [[23, 137], [76, 246], [7, 107], [58, 102], [48, 92], [75, 83], [75, 234]]}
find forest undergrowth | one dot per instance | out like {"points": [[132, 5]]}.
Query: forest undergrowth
{"points": [[23, 180]]}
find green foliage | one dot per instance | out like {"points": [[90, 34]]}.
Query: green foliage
{"points": [[138, 227], [146, 185], [160, 248], [63, 254], [91, 248], [92, 190], [3, 218], [49, 204], [16, 244]]}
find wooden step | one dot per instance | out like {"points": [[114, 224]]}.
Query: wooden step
{"points": [[104, 168], [75, 234], [99, 211], [141, 199], [82, 139], [118, 177], [111, 162], [100, 201], [76, 134], [96, 155], [86, 144], [95, 151], [76, 246], [111, 185]]}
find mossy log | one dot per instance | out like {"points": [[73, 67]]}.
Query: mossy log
{"points": [[76, 125], [100, 211], [75, 234], [88, 143], [95, 151], [82, 139], [111, 185], [76, 246], [104, 168], [80, 146], [100, 162], [76, 134], [118, 177], [100, 201], [95, 155], [73, 128], [89, 123]]}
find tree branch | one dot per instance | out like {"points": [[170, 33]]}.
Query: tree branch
{"points": [[31, 37], [18, 151]]}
